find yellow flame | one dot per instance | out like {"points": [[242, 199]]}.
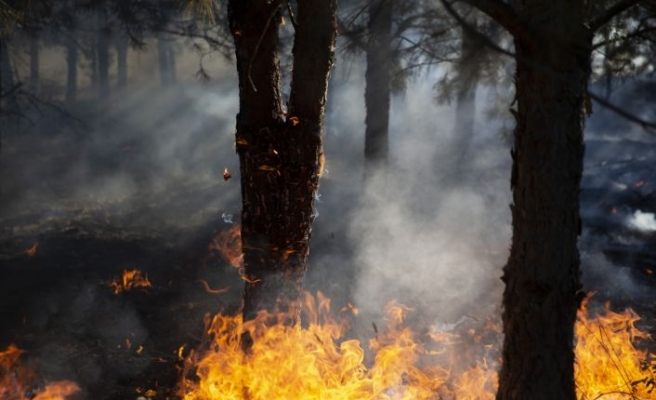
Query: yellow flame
{"points": [[131, 279], [608, 365], [320, 361]]}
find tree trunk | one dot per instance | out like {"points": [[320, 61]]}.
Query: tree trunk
{"points": [[543, 290], [34, 62], [8, 86], [122, 61], [103, 51], [378, 87], [165, 58], [279, 153], [468, 76], [71, 69]]}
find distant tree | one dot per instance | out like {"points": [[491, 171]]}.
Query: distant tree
{"points": [[397, 38], [279, 149], [378, 90], [553, 46]]}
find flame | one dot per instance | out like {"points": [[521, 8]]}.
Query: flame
{"points": [[16, 381], [608, 361], [319, 360], [228, 243], [131, 279]]}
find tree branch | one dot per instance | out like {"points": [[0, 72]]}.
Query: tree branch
{"points": [[502, 13], [649, 126], [605, 17]]}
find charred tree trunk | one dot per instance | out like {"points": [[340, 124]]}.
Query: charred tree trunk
{"points": [[378, 87], [279, 153], [71, 69], [122, 61], [543, 290], [34, 62]]}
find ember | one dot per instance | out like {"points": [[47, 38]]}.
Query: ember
{"points": [[228, 244], [131, 279], [31, 251]]}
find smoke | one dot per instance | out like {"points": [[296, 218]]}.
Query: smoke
{"points": [[424, 233], [431, 231]]}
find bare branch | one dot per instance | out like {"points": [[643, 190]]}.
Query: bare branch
{"points": [[649, 126], [605, 17]]}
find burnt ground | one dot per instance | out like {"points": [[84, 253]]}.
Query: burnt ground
{"points": [[97, 204], [107, 192]]}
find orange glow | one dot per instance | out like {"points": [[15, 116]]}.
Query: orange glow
{"points": [[319, 360], [17, 381], [131, 279], [208, 289], [228, 244], [31, 251]]}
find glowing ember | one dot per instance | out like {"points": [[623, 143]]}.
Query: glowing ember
{"points": [[31, 251], [16, 381], [319, 361], [131, 279], [228, 244]]}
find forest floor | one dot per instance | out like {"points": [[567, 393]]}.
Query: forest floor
{"points": [[71, 224]]}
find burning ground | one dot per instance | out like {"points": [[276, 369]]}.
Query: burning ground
{"points": [[120, 277]]}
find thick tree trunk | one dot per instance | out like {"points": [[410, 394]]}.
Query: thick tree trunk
{"points": [[279, 154], [378, 87], [71, 70], [122, 61], [543, 290], [34, 62]]}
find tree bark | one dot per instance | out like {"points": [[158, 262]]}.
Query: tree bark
{"points": [[279, 153], [377, 94], [543, 290], [71, 69]]}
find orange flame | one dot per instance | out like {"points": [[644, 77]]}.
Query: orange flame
{"points": [[16, 380], [131, 279], [607, 360], [320, 361]]}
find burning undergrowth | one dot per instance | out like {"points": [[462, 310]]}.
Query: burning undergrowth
{"points": [[322, 359]]}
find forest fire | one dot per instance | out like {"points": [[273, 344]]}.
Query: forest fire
{"points": [[18, 382], [131, 279], [320, 360]]}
